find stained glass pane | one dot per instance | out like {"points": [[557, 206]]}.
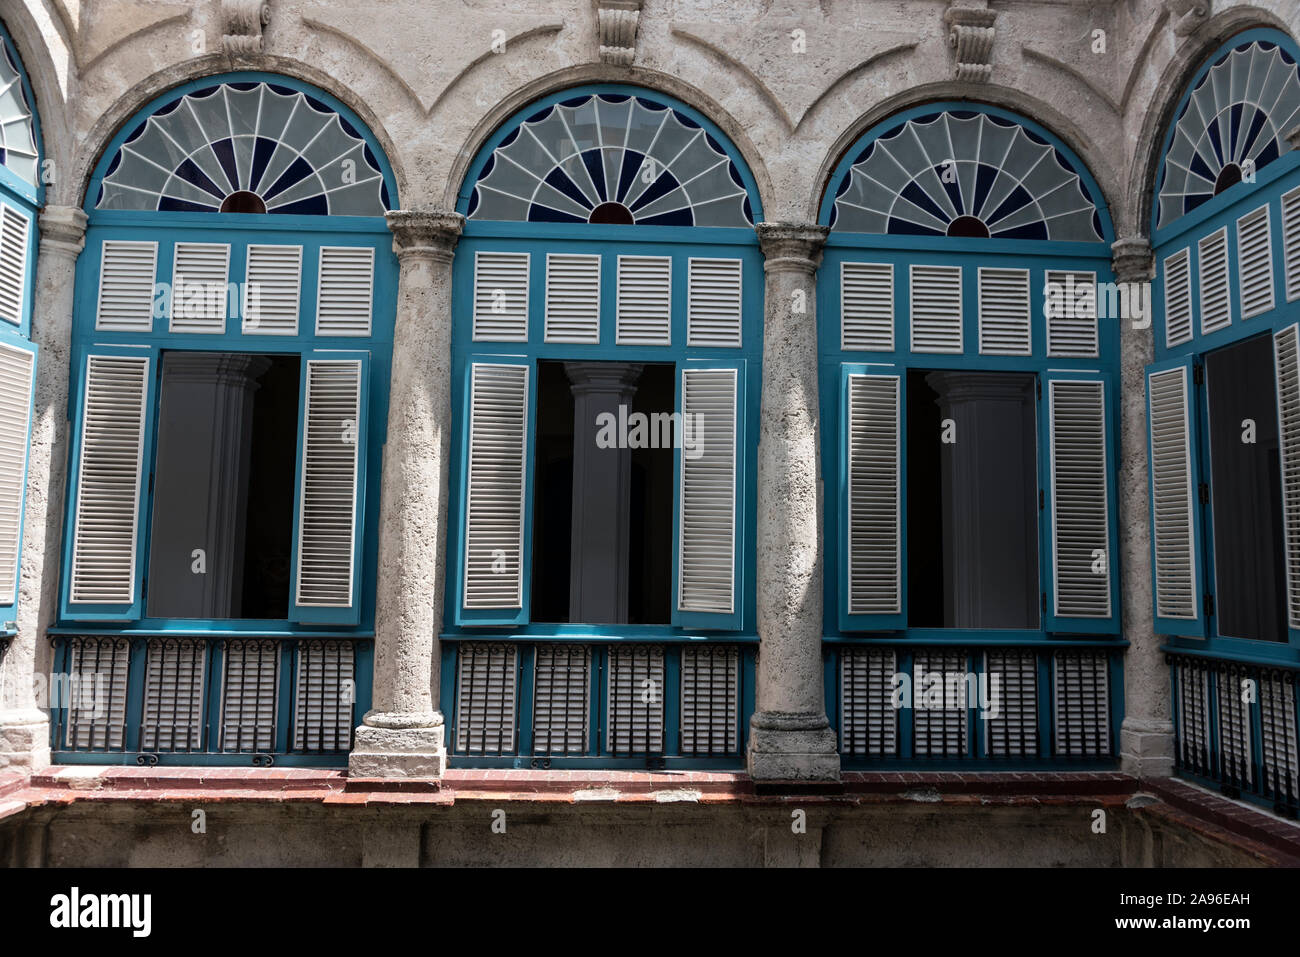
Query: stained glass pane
{"points": [[17, 133]]}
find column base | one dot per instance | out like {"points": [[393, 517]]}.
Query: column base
{"points": [[25, 739], [399, 746], [792, 747], [1146, 748]]}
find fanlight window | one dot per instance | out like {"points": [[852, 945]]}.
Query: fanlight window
{"points": [[1234, 122], [608, 158], [967, 174], [247, 148], [17, 135]]}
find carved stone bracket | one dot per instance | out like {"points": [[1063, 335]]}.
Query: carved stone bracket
{"points": [[970, 33], [241, 26], [617, 22], [1187, 15], [1293, 137]]}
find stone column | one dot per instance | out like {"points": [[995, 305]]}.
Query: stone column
{"points": [[24, 724], [403, 735], [790, 738], [1147, 735]]}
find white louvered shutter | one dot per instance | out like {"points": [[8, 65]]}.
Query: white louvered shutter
{"points": [[175, 672], [496, 483], [868, 718], [1291, 242], [1178, 297], [936, 309], [710, 699], [487, 680], [17, 368], [1081, 693], [635, 700], [1072, 317], [95, 693], [330, 483], [249, 691], [114, 404], [272, 290], [1004, 312], [561, 699], [1011, 680], [1173, 489], [1277, 737], [500, 297], [867, 307], [1236, 752], [1255, 263], [15, 228], [126, 284], [644, 314], [873, 506], [200, 277], [1215, 294], [345, 290], [1286, 354], [323, 696], [713, 303], [707, 517], [572, 298], [1193, 716], [939, 704]]}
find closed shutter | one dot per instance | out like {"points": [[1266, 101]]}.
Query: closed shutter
{"points": [[200, 273], [1286, 354], [867, 307], [1081, 692], [1009, 704], [1193, 682], [1255, 263], [15, 228], [868, 718], [1215, 294], [500, 297], [936, 309], [872, 503], [644, 314], [106, 515], [330, 490], [1175, 520], [572, 298], [487, 679], [126, 284], [175, 675], [713, 302], [940, 696], [496, 484], [323, 696], [710, 699], [345, 291], [707, 496], [272, 290], [1004, 312], [561, 699], [1178, 298], [1072, 315], [1277, 737], [635, 700], [94, 694], [250, 682], [1236, 754], [1291, 242], [17, 368]]}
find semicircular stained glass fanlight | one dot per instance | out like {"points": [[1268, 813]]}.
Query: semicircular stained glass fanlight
{"points": [[965, 173], [17, 130], [605, 158], [1236, 117], [246, 147]]}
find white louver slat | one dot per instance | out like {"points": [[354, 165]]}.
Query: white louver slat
{"points": [[15, 228], [1081, 692], [867, 307], [126, 286], [323, 696], [635, 700], [644, 314], [1193, 717], [345, 290], [1080, 498], [710, 700], [1236, 753], [95, 694], [17, 367], [487, 679], [868, 718], [1286, 356], [272, 290], [561, 699], [107, 514], [500, 297], [1291, 242], [1215, 291], [1173, 529], [874, 518], [1004, 312], [936, 309], [200, 290], [175, 672], [713, 307], [1178, 297], [250, 682], [496, 480], [1255, 263], [1277, 737], [940, 697], [572, 298], [1072, 323], [1014, 695], [333, 425], [706, 544]]}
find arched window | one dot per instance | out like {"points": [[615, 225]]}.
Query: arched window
{"points": [[968, 335], [1224, 405], [606, 346], [231, 349]]}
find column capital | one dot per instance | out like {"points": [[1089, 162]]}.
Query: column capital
{"points": [[792, 246], [63, 230], [1292, 136], [429, 234], [1131, 260]]}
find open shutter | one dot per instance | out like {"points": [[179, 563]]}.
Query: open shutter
{"points": [[708, 495], [14, 242], [1286, 354], [1175, 517], [871, 519], [497, 414], [103, 580], [1080, 508], [17, 368], [331, 489]]}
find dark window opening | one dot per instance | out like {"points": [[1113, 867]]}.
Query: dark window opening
{"points": [[1230, 175], [243, 201], [615, 213], [968, 227]]}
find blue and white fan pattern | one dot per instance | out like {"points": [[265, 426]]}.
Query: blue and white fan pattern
{"points": [[17, 130]]}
